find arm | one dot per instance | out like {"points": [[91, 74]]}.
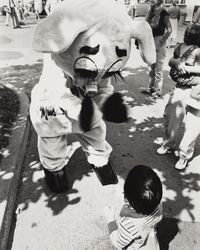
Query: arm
{"points": [[179, 15], [196, 16], [174, 62], [168, 28], [123, 235], [105, 89], [193, 69], [47, 7], [195, 92]]}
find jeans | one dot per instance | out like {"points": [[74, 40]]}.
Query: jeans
{"points": [[156, 71]]}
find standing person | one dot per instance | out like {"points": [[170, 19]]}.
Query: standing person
{"points": [[158, 18], [20, 11], [174, 14], [50, 5], [192, 129], [38, 8], [11, 13], [185, 71], [196, 18], [141, 212]]}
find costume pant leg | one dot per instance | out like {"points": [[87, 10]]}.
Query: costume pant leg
{"points": [[52, 152], [174, 114], [192, 130], [94, 144]]}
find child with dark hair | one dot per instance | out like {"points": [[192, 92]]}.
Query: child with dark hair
{"points": [[140, 213], [185, 71]]}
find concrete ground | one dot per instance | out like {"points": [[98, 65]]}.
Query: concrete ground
{"points": [[75, 220]]}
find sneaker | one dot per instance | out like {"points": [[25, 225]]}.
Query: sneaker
{"points": [[148, 91], [181, 164], [155, 95], [162, 150]]}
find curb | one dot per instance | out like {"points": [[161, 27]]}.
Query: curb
{"points": [[13, 165]]}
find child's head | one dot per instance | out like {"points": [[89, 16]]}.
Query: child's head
{"points": [[143, 189], [192, 35]]}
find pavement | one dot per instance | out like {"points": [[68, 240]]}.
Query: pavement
{"points": [[31, 217]]}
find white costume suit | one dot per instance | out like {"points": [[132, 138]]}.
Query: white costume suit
{"points": [[54, 88], [65, 35]]}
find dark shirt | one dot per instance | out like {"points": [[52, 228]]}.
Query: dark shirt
{"points": [[160, 29]]}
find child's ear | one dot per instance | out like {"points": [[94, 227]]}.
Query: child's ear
{"points": [[125, 200], [114, 109]]}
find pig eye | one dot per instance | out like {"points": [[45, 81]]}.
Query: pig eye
{"points": [[89, 50], [120, 52]]}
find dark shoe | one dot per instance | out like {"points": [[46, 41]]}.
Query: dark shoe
{"points": [[15, 27], [56, 181], [105, 174], [19, 27], [148, 91]]}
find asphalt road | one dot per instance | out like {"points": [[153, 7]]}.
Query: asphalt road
{"points": [[75, 220]]}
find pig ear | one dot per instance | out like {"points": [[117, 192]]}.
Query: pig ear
{"points": [[57, 32], [141, 31]]}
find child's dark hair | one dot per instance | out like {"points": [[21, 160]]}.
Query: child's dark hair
{"points": [[143, 189], [192, 35]]}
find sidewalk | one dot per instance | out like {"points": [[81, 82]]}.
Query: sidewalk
{"points": [[49, 221], [15, 50]]}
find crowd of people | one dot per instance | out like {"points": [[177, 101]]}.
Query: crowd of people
{"points": [[17, 11], [185, 72], [184, 102]]}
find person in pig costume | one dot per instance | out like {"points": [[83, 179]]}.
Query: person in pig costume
{"points": [[86, 44]]}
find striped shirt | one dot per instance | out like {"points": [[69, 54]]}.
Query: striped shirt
{"points": [[134, 231]]}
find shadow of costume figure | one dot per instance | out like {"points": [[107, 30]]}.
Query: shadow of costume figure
{"points": [[85, 43]]}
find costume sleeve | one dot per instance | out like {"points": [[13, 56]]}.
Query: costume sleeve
{"points": [[105, 89]]}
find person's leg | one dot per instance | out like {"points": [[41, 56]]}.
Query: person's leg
{"points": [[160, 58], [7, 19], [173, 117], [12, 18], [15, 17], [52, 153], [186, 147], [151, 87], [97, 151]]}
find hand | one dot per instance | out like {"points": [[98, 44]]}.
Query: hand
{"points": [[181, 69]]}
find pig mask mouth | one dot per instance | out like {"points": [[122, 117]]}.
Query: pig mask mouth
{"points": [[87, 75]]}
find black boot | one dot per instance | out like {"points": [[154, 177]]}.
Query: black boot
{"points": [[105, 174], [56, 181]]}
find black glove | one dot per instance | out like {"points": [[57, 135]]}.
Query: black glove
{"points": [[86, 114], [114, 110]]}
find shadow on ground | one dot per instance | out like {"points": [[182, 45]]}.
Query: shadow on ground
{"points": [[133, 143]]}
